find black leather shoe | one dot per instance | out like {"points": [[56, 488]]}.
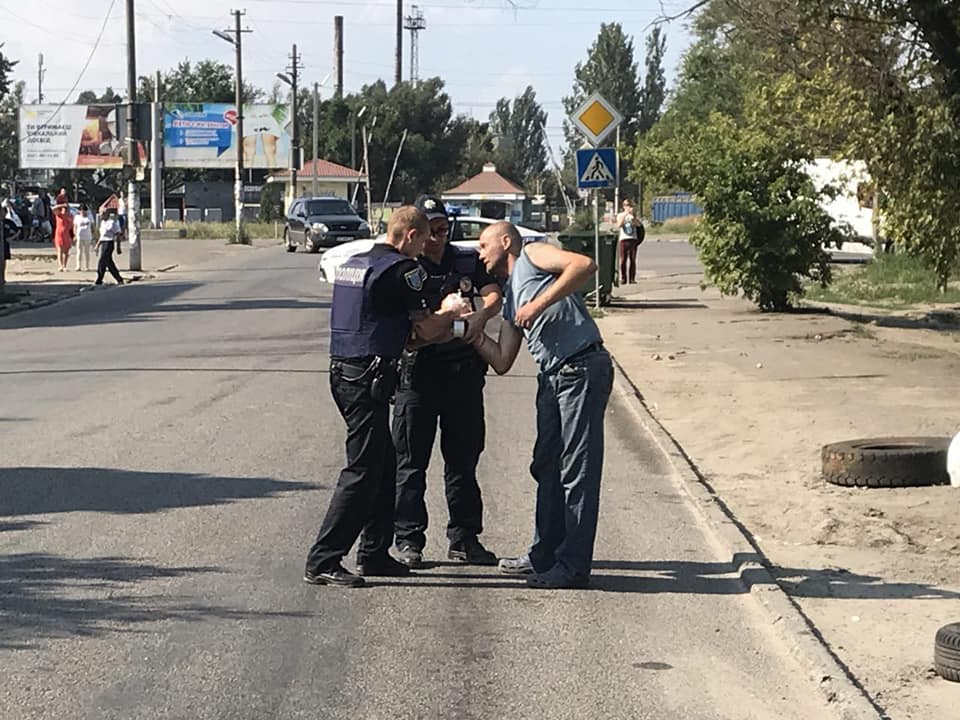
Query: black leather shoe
{"points": [[339, 577], [382, 567], [409, 554], [471, 552]]}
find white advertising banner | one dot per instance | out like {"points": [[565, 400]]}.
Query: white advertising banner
{"points": [[69, 137]]}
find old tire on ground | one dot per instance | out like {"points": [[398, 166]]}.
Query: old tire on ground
{"points": [[887, 462], [946, 653]]}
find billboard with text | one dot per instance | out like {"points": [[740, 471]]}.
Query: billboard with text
{"points": [[204, 135], [69, 137]]}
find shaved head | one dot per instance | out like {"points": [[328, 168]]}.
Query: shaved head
{"points": [[497, 242]]}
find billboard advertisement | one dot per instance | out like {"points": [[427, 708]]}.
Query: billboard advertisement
{"points": [[204, 135], [70, 137]]}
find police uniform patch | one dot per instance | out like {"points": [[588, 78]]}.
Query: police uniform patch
{"points": [[414, 279], [466, 284]]}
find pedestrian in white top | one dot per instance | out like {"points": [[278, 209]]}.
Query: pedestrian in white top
{"points": [[83, 225]]}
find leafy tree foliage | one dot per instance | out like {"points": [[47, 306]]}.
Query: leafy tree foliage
{"points": [[517, 126], [763, 225], [6, 67]]}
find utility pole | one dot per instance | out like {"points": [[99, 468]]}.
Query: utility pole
{"points": [[156, 163], [316, 138], [292, 80], [40, 72], [398, 64], [235, 38], [133, 191], [415, 23], [338, 55]]}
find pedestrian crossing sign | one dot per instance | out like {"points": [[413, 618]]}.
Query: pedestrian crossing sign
{"points": [[596, 168]]}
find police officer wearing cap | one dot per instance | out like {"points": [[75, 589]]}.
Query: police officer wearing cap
{"points": [[443, 383], [378, 298]]}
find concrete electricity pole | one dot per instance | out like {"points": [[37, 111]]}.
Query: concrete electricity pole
{"points": [[40, 72], [292, 81], [235, 38], [133, 191], [156, 163], [316, 137], [398, 65]]}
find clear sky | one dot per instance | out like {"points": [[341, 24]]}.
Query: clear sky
{"points": [[483, 49]]}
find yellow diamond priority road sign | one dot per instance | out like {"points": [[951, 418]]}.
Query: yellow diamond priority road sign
{"points": [[596, 118]]}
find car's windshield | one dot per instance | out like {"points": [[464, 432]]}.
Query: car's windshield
{"points": [[329, 207]]}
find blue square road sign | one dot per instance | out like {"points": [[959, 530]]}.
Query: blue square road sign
{"points": [[596, 168]]}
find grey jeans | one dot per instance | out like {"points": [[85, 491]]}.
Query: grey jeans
{"points": [[568, 462]]}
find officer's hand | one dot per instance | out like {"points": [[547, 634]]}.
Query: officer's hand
{"points": [[456, 304], [527, 314], [475, 323]]}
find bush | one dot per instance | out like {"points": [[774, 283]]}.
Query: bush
{"points": [[226, 230], [763, 228]]}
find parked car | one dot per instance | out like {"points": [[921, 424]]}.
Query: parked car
{"points": [[313, 223], [464, 231]]}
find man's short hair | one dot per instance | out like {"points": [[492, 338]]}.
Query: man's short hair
{"points": [[503, 227], [403, 219]]}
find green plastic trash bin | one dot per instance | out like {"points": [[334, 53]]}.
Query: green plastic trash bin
{"points": [[583, 242]]}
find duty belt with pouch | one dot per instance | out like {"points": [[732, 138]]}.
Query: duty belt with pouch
{"points": [[381, 376]]}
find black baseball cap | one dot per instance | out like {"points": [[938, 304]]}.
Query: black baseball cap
{"points": [[431, 206]]}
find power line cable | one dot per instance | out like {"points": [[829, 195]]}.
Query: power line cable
{"points": [[83, 70]]}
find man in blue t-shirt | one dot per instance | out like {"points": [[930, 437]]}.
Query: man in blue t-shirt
{"points": [[574, 384]]}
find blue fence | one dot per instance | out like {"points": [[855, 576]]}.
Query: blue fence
{"points": [[666, 207]]}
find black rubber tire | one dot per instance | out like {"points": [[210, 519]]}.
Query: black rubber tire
{"points": [[887, 462], [946, 652], [286, 240]]}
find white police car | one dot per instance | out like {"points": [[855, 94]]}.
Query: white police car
{"points": [[464, 231]]}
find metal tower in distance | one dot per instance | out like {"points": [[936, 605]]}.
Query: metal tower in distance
{"points": [[415, 22]]}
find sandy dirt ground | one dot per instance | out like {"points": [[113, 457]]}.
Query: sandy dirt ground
{"points": [[752, 398]]}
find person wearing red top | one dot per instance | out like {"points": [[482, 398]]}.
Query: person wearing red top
{"points": [[63, 236]]}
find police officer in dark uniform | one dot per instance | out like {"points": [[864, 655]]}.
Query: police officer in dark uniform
{"points": [[378, 298], [444, 383]]}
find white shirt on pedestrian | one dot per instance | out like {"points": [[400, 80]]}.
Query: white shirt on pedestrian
{"points": [[84, 227]]}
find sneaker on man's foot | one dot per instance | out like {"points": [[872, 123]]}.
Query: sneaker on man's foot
{"points": [[516, 566], [471, 552], [410, 555], [556, 578], [338, 576]]}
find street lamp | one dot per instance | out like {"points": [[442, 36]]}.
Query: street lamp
{"points": [[236, 41]]}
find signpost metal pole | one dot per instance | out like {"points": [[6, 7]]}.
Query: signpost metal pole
{"points": [[596, 245], [156, 167], [133, 192]]}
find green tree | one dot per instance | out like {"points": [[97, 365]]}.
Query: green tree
{"points": [[109, 97], [763, 226], [6, 67], [517, 128], [655, 81]]}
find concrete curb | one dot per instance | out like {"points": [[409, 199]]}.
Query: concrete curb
{"points": [[731, 540]]}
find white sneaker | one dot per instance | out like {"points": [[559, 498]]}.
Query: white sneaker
{"points": [[516, 566]]}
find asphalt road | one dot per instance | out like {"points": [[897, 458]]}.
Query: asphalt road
{"points": [[166, 453]]}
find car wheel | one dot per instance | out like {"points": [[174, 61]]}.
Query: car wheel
{"points": [[286, 239], [313, 246]]}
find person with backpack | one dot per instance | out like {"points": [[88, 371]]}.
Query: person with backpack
{"points": [[630, 234]]}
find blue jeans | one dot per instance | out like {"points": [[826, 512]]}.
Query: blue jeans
{"points": [[568, 462]]}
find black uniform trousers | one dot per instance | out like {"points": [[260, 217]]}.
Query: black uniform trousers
{"points": [[363, 498], [451, 393]]}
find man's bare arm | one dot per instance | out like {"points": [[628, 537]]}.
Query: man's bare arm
{"points": [[433, 327], [492, 298], [502, 352], [572, 271]]}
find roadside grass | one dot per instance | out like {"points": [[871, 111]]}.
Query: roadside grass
{"points": [[227, 230], [886, 281], [675, 226]]}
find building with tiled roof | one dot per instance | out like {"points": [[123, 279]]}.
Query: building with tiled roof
{"points": [[488, 194], [331, 179]]}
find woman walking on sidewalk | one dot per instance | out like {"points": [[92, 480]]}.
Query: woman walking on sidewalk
{"points": [[63, 236], [109, 233], [83, 225]]}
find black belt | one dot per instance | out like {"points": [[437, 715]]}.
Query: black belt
{"points": [[583, 352]]}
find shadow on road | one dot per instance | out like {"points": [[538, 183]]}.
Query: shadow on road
{"points": [[40, 490], [656, 305], [50, 596]]}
